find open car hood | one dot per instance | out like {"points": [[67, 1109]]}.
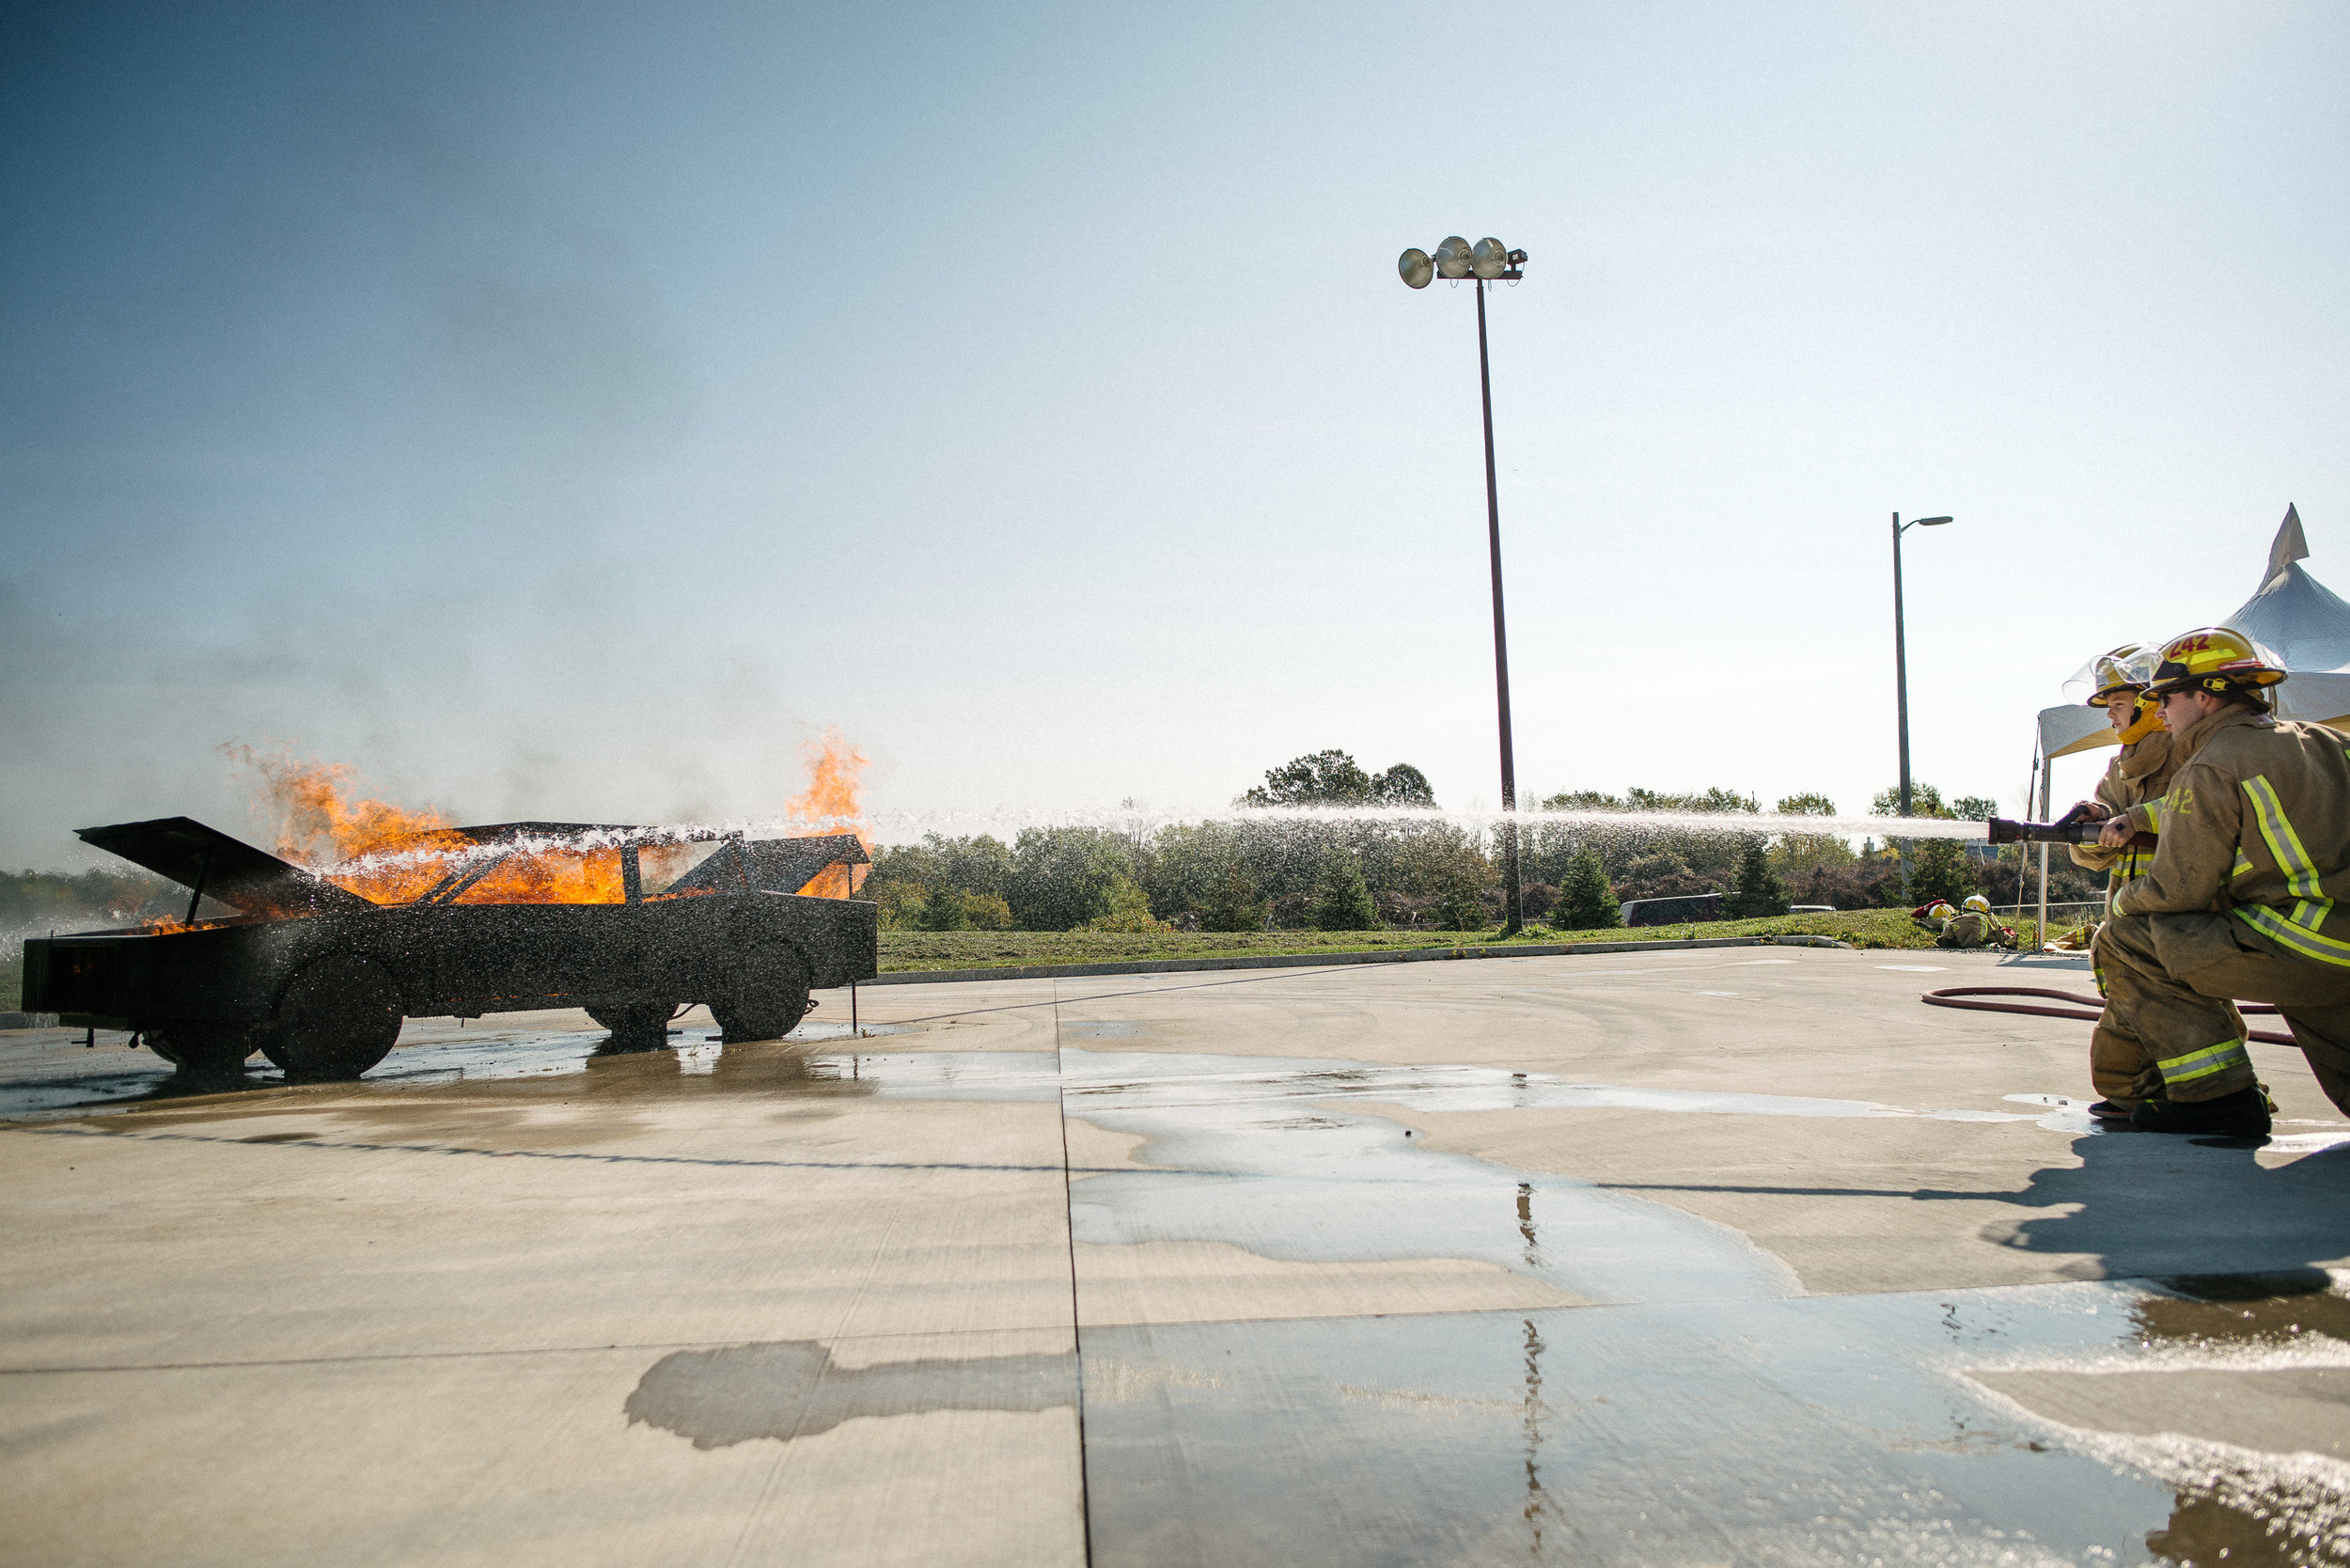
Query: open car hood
{"points": [[229, 870]]}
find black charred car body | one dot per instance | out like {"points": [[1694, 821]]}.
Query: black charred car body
{"points": [[318, 978]]}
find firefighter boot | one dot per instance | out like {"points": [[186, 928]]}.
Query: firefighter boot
{"points": [[2243, 1114]]}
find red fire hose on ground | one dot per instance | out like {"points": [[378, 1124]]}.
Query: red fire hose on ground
{"points": [[1953, 996]]}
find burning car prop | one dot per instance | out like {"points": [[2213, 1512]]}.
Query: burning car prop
{"points": [[318, 967]]}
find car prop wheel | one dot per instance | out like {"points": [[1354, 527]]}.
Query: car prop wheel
{"points": [[201, 1047], [634, 1026], [338, 1017], [770, 997]]}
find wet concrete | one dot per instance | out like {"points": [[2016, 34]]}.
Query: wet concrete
{"points": [[46, 1073], [1706, 1258], [793, 1389]]}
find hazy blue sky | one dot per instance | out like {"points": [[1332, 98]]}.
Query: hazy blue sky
{"points": [[558, 411]]}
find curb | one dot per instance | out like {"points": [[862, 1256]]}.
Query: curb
{"points": [[1328, 961]]}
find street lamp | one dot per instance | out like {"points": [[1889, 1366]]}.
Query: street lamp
{"points": [[1901, 651], [1487, 261]]}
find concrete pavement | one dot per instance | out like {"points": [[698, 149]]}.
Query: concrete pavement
{"points": [[1724, 1255]]}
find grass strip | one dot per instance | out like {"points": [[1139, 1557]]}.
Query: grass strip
{"points": [[905, 950]]}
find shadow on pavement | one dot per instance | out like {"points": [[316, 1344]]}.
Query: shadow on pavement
{"points": [[2143, 1204]]}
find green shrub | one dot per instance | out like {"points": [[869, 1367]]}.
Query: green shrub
{"points": [[987, 911], [1342, 901], [1060, 877], [1758, 890], [1586, 902], [1444, 866], [1939, 870], [1233, 903], [943, 909], [1129, 909]]}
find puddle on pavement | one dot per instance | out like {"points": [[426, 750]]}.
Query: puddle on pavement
{"points": [[2231, 1309], [1245, 1164], [594, 1111], [789, 1389], [1105, 1081], [122, 1081], [1710, 1415], [1824, 1430]]}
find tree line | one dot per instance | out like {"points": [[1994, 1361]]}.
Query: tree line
{"points": [[32, 902]]}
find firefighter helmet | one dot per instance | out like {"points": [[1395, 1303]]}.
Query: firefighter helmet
{"points": [[1941, 910], [2127, 668], [2216, 659], [1976, 903]]}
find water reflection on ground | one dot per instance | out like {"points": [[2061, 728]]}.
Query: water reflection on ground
{"points": [[1705, 1412], [46, 1075]]}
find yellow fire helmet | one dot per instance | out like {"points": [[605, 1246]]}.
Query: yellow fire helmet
{"points": [[1978, 903], [2215, 659], [1940, 911], [2128, 668]]}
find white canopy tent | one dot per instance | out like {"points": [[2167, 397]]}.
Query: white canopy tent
{"points": [[2294, 616]]}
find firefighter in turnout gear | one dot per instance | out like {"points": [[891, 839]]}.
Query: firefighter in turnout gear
{"points": [[2142, 771], [1972, 926], [2242, 896], [2124, 1077]]}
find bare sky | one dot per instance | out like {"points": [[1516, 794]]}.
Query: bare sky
{"points": [[560, 412]]}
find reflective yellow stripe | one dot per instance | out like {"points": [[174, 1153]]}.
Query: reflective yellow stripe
{"points": [[2203, 1063], [2285, 844], [2243, 865], [2153, 814], [2301, 939]]}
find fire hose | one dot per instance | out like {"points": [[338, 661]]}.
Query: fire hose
{"points": [[2070, 828], [1951, 997]]}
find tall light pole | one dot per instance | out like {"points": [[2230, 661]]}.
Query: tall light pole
{"points": [[1901, 650], [1487, 261]]}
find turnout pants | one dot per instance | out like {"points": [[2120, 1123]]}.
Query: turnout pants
{"points": [[2171, 984]]}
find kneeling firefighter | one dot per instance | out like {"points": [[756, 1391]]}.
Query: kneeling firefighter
{"points": [[2241, 897], [2140, 776], [1972, 926]]}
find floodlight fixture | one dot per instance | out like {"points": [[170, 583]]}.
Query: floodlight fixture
{"points": [[1416, 267], [1488, 257], [1453, 259]]}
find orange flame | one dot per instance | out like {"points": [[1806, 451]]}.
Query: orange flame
{"points": [[552, 876], [830, 805], [317, 821], [405, 853]]}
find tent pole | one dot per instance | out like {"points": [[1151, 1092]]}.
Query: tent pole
{"points": [[2041, 932]]}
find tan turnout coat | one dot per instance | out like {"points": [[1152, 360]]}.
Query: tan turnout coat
{"points": [[2256, 823]]}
